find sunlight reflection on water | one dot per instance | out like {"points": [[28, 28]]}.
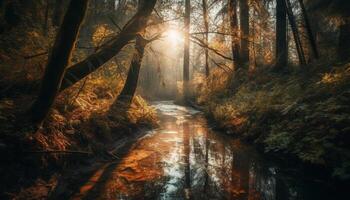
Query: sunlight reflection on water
{"points": [[184, 158]]}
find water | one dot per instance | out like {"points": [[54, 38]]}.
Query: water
{"points": [[186, 159]]}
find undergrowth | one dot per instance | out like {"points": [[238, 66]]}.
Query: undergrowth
{"points": [[305, 115]]}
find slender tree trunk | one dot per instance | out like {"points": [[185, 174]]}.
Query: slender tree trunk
{"points": [[96, 60], [244, 33], [186, 64], [46, 20], [12, 15], [311, 37], [281, 36], [253, 44], [58, 12], [344, 40], [130, 85], [295, 31], [206, 27], [232, 9], [59, 60]]}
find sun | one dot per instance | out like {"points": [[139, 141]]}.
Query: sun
{"points": [[174, 36]]}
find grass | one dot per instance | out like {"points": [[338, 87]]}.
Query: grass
{"points": [[305, 115]]}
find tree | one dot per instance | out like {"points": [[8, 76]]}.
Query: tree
{"points": [[134, 26], [311, 37], [232, 10], [340, 10], [281, 36], [295, 31], [59, 59], [130, 85], [344, 40], [58, 12], [46, 19], [186, 63], [11, 14], [206, 36], [244, 23]]}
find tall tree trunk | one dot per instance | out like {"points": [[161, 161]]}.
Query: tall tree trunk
{"points": [[311, 37], [12, 15], [244, 22], [295, 31], [46, 20], [96, 60], [186, 64], [58, 12], [232, 10], [130, 85], [253, 44], [344, 40], [59, 60], [281, 36], [206, 27]]}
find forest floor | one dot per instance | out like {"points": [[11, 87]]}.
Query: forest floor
{"points": [[89, 127], [302, 116], [85, 121]]}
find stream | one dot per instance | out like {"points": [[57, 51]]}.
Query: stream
{"points": [[185, 159]]}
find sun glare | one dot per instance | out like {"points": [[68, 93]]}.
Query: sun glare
{"points": [[174, 36]]}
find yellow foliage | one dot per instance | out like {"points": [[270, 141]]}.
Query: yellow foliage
{"points": [[101, 34], [335, 77]]}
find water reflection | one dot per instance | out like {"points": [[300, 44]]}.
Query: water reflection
{"points": [[184, 159]]}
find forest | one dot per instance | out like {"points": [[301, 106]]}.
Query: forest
{"points": [[175, 99]]}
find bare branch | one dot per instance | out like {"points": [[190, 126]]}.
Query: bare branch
{"points": [[202, 44]]}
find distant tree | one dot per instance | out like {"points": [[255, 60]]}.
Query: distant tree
{"points": [[296, 34], [59, 59], [244, 31], [344, 40], [310, 34], [340, 10], [232, 10], [186, 64], [206, 35], [281, 36], [129, 89]]}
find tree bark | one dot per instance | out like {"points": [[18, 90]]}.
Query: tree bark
{"points": [[311, 37], [186, 64], [12, 15], [244, 22], [46, 20], [232, 10], [58, 12], [129, 89], [96, 60], [206, 27], [344, 41], [295, 31], [281, 36], [59, 60]]}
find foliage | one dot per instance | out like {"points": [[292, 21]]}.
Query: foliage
{"points": [[304, 117]]}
